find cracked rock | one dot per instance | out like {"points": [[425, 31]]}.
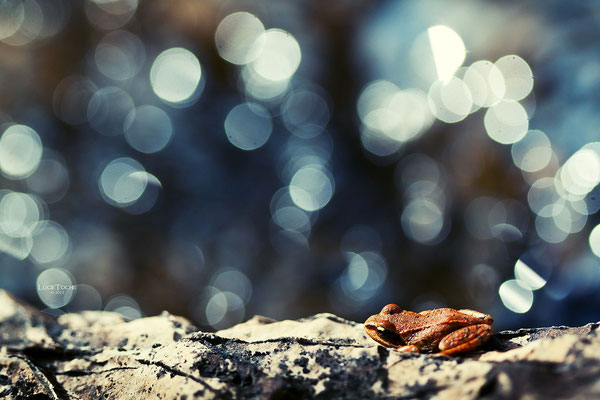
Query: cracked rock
{"points": [[93, 355]]}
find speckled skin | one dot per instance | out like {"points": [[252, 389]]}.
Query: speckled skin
{"points": [[443, 330]]}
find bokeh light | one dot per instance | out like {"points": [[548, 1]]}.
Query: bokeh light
{"points": [[55, 287], [239, 38], [86, 298], [292, 218], [20, 151], [507, 220], [248, 126], [419, 175], [51, 243], [373, 105], [518, 77], [17, 247], [376, 143], [148, 129], [391, 115], [542, 196], [233, 281], [19, 214], [55, 16], [51, 179], [581, 172], [110, 14], [71, 98], [30, 23], [516, 296], [288, 216], [216, 308], [305, 113], [548, 230], [477, 217], [528, 276], [594, 240], [363, 276], [448, 50], [263, 89], [485, 82], [120, 55], [280, 55], [124, 181], [12, 14], [450, 101], [107, 110], [312, 187], [533, 152], [506, 122], [220, 308], [176, 77], [124, 305], [422, 221]]}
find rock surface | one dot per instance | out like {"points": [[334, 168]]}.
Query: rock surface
{"points": [[100, 355]]}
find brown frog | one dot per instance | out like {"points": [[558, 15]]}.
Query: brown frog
{"points": [[442, 330]]}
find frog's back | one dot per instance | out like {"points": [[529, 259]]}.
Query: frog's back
{"points": [[428, 328]]}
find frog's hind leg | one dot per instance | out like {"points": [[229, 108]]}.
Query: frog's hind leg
{"points": [[483, 318], [465, 339]]}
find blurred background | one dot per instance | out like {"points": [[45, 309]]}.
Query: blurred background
{"points": [[221, 159]]}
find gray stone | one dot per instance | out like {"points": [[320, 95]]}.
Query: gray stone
{"points": [[93, 355]]}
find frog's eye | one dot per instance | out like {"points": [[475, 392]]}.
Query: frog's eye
{"points": [[390, 337], [391, 309]]}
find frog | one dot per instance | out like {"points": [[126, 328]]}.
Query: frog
{"points": [[443, 331]]}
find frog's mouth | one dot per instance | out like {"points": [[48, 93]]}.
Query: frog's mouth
{"points": [[390, 336], [384, 336]]}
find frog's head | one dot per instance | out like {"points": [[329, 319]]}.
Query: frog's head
{"points": [[382, 330]]}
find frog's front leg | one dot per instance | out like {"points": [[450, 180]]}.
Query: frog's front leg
{"points": [[465, 339], [410, 348]]}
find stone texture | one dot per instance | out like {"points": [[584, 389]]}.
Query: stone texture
{"points": [[99, 355]]}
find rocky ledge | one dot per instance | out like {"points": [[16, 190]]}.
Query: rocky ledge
{"points": [[93, 355]]}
